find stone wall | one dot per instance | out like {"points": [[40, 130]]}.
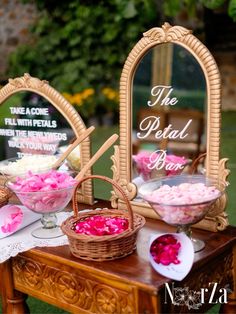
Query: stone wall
{"points": [[15, 21]]}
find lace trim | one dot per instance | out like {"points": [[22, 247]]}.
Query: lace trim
{"points": [[22, 240]]}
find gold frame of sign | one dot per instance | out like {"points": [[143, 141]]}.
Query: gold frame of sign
{"points": [[41, 87], [215, 167]]}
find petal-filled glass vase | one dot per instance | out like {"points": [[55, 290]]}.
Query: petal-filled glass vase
{"points": [[52, 198], [182, 200]]}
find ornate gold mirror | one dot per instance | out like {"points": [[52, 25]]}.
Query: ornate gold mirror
{"points": [[169, 104], [36, 119]]}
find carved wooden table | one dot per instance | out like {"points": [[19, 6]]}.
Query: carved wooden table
{"points": [[128, 285]]}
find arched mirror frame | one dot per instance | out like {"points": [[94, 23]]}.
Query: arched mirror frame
{"points": [[41, 87], [215, 167]]}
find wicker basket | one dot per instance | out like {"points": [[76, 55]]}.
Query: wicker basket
{"points": [[5, 194], [107, 247]]}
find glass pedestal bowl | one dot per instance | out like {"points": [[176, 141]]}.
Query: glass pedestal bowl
{"points": [[179, 207], [20, 166], [144, 165], [47, 203]]}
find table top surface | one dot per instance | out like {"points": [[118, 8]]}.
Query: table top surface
{"points": [[136, 267]]}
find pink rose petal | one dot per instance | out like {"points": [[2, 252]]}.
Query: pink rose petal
{"points": [[13, 218], [165, 249], [101, 225]]}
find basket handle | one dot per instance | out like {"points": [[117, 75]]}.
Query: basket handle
{"points": [[196, 162], [74, 198]]}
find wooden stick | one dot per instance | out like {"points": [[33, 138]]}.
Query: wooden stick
{"points": [[71, 147], [97, 155]]}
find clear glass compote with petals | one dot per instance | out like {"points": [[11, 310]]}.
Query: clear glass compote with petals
{"points": [[45, 193], [182, 200], [20, 166]]}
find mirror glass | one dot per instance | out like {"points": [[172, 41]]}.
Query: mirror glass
{"points": [[37, 120], [168, 112], [30, 125]]}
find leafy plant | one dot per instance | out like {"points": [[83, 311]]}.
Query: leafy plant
{"points": [[215, 4], [82, 43], [173, 7], [232, 9]]}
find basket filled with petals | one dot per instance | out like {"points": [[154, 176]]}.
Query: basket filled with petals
{"points": [[104, 234]]}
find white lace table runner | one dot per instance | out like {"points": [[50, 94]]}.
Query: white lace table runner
{"points": [[22, 240]]}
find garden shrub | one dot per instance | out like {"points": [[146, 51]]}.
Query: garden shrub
{"points": [[80, 45]]}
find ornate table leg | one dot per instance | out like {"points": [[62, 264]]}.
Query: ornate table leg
{"points": [[13, 302], [230, 306]]}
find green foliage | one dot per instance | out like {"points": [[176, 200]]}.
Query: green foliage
{"points": [[213, 4], [232, 9], [82, 44], [173, 7]]}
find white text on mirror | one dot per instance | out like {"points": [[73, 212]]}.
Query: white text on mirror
{"points": [[158, 161], [152, 123], [158, 91]]}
